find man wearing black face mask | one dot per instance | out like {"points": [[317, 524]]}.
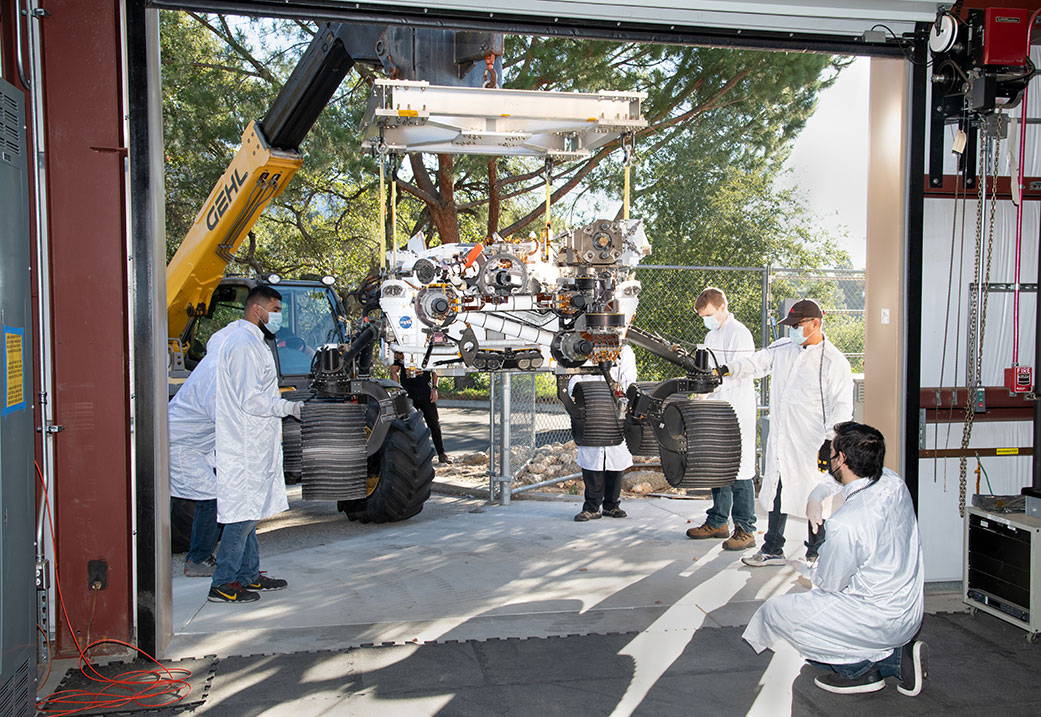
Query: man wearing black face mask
{"points": [[860, 620]]}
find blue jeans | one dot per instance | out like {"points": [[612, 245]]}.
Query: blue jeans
{"points": [[737, 500], [238, 558], [889, 667], [773, 541], [204, 530]]}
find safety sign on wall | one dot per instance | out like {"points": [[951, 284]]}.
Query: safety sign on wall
{"points": [[14, 370]]}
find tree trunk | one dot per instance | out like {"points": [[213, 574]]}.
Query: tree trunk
{"points": [[445, 214], [493, 197]]}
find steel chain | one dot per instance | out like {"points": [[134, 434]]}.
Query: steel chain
{"points": [[976, 341]]}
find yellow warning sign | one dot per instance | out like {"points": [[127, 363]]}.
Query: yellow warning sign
{"points": [[1006, 451], [14, 382]]}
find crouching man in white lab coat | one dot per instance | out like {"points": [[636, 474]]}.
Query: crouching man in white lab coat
{"points": [[248, 426], [860, 620], [602, 466]]}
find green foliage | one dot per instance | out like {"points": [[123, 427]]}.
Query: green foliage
{"points": [[720, 126], [218, 75]]}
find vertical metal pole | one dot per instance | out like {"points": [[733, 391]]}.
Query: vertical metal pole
{"points": [[507, 416], [764, 383], [913, 262], [766, 306], [491, 437], [534, 408], [1036, 460]]}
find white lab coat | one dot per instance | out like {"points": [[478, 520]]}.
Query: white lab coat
{"points": [[608, 458], [248, 417], [811, 390], [191, 417], [867, 597], [730, 342]]}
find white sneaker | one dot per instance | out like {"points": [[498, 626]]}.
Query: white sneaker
{"points": [[761, 559], [914, 668]]}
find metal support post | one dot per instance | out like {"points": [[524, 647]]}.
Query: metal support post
{"points": [[505, 476], [491, 437], [534, 410]]}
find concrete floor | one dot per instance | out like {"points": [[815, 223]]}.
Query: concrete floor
{"points": [[478, 609], [472, 608]]}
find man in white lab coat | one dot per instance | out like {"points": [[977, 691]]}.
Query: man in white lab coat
{"points": [[602, 466], [729, 340], [192, 459], [248, 421], [811, 390], [860, 620]]}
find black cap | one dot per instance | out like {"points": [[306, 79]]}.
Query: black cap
{"points": [[802, 310]]}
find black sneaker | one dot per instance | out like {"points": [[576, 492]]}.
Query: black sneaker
{"points": [[616, 513], [586, 515], [263, 582], [870, 681], [231, 592], [200, 570], [913, 668]]}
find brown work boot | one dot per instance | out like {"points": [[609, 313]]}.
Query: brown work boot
{"points": [[707, 531], [740, 540]]}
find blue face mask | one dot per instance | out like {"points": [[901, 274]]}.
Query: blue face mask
{"points": [[711, 322], [798, 335]]}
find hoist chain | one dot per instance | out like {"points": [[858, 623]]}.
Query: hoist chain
{"points": [[975, 338]]}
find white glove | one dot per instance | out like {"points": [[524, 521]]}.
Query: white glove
{"points": [[814, 513], [297, 408], [801, 567]]}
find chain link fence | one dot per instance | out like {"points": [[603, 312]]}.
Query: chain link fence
{"points": [[526, 415], [841, 294]]}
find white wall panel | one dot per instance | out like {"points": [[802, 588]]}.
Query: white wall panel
{"points": [[940, 523]]}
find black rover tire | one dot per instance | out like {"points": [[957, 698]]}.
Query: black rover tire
{"points": [[640, 438], [700, 444], [405, 469], [597, 423]]}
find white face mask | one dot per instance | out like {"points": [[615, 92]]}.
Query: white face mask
{"points": [[711, 322], [274, 321]]}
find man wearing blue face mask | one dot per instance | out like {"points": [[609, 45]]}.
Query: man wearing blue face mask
{"points": [[248, 426], [811, 390], [729, 340]]}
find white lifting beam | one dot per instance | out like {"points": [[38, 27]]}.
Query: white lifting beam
{"points": [[420, 117]]}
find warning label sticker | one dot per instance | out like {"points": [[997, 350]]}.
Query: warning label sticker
{"points": [[14, 369]]}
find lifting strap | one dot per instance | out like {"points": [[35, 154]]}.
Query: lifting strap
{"points": [[382, 151], [627, 149]]}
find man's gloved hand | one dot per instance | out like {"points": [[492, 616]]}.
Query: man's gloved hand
{"points": [[722, 371], [824, 457], [814, 514], [298, 406]]}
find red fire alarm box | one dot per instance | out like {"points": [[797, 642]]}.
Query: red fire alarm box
{"points": [[1005, 35], [1019, 379]]}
